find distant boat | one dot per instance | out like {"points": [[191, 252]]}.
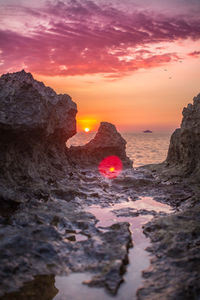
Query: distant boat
{"points": [[147, 131]]}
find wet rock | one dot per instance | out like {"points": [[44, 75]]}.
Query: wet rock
{"points": [[131, 212], [111, 269], [110, 278], [56, 237], [41, 285], [107, 142], [175, 269]]}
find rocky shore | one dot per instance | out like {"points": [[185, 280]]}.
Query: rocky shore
{"points": [[46, 188], [43, 190], [175, 266]]}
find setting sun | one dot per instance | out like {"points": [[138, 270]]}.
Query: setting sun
{"points": [[87, 124]]}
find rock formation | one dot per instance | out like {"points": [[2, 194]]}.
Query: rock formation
{"points": [[42, 192], [184, 149], [107, 142], [29, 107], [35, 123]]}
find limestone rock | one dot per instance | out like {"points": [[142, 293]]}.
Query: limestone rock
{"points": [[107, 142], [184, 149]]}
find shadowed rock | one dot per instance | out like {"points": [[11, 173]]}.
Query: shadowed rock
{"points": [[184, 149], [42, 193], [35, 123], [28, 106], [107, 142], [41, 285]]}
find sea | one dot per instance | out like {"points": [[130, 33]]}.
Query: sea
{"points": [[142, 148]]}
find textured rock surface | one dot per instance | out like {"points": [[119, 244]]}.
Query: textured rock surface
{"points": [[184, 150], [35, 123], [57, 236], [28, 106], [42, 194], [175, 269], [107, 142]]}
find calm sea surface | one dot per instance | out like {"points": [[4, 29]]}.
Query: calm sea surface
{"points": [[142, 148]]}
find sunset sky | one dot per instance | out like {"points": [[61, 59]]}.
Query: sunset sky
{"points": [[132, 63]]}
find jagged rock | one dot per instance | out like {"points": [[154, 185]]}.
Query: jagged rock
{"points": [[28, 106], [184, 147], [107, 142], [41, 285], [35, 123], [175, 270]]}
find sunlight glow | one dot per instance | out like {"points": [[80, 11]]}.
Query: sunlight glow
{"points": [[87, 124], [110, 167]]}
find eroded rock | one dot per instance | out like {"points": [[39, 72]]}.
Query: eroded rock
{"points": [[35, 123], [175, 270], [183, 155], [107, 142], [28, 106]]}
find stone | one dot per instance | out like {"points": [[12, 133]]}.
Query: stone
{"points": [[35, 123], [44, 228], [107, 142], [175, 269], [183, 155], [28, 106]]}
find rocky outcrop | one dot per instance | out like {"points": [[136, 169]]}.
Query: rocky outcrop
{"points": [[43, 228], [184, 150], [35, 123], [175, 269], [107, 142], [28, 106]]}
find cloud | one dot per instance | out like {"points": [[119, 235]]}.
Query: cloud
{"points": [[194, 54], [78, 38]]}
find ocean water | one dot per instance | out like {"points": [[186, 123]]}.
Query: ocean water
{"points": [[142, 148]]}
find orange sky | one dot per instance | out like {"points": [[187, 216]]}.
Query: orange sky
{"points": [[152, 98], [135, 64]]}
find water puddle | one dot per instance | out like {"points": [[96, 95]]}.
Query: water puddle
{"points": [[71, 287]]}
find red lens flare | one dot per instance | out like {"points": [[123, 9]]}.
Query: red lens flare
{"points": [[110, 167]]}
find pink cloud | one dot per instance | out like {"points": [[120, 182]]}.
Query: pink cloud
{"points": [[88, 38], [194, 54]]}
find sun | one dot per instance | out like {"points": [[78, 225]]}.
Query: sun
{"points": [[86, 129]]}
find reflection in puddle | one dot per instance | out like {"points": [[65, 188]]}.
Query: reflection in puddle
{"points": [[71, 287]]}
